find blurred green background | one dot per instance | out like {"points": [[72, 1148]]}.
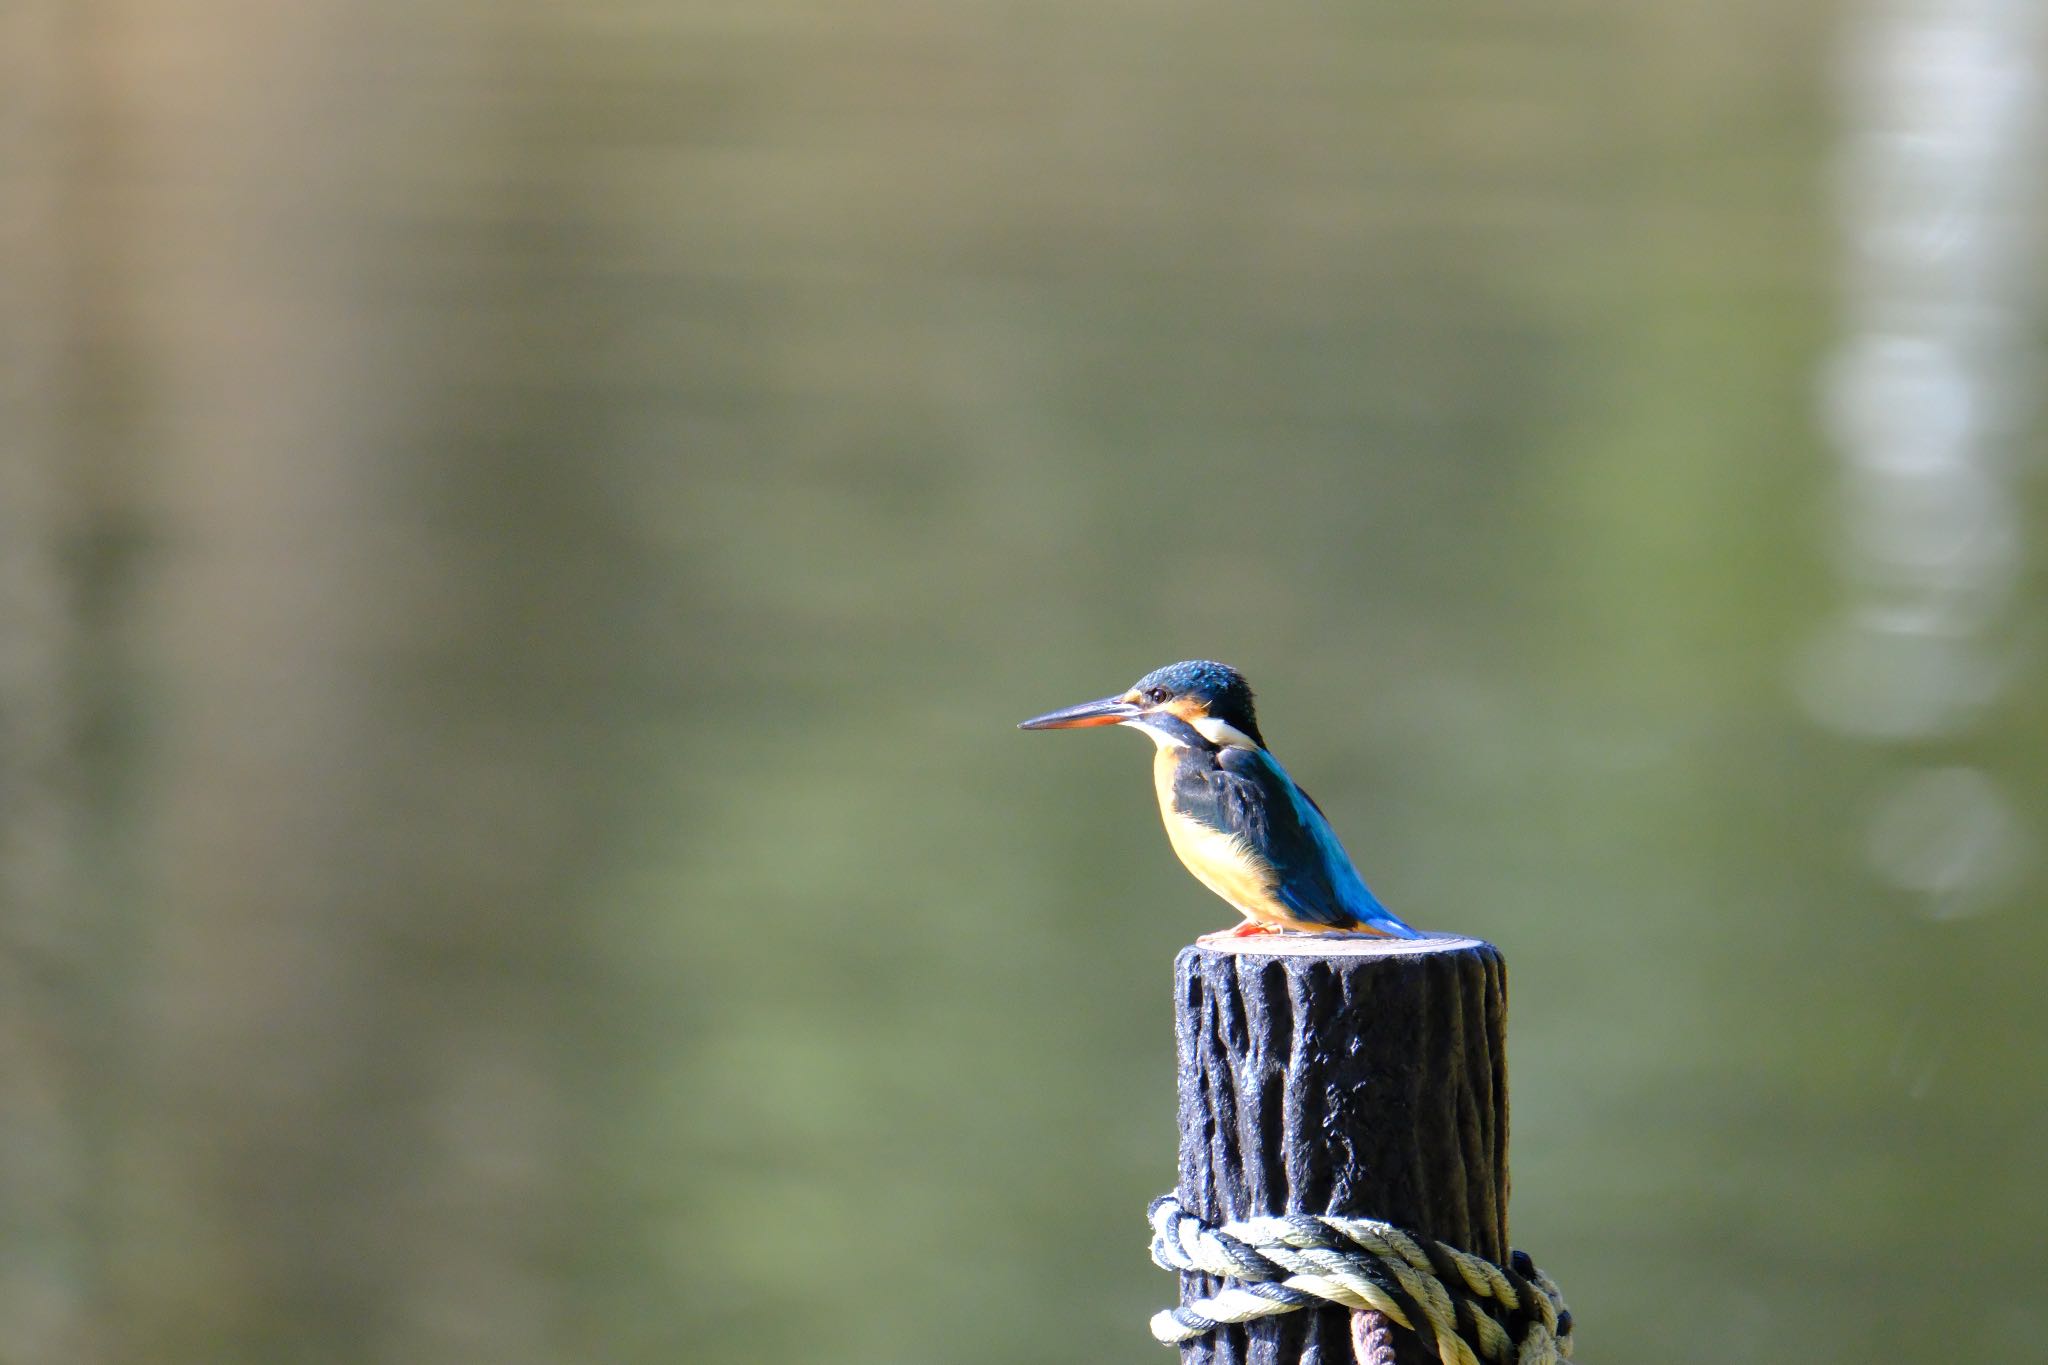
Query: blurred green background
{"points": [[526, 527]]}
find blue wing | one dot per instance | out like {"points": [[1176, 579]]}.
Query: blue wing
{"points": [[1250, 795]]}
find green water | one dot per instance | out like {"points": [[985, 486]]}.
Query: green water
{"points": [[544, 521]]}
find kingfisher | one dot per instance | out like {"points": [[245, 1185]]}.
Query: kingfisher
{"points": [[1233, 815]]}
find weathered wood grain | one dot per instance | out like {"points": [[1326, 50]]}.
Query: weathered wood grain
{"points": [[1333, 1074]]}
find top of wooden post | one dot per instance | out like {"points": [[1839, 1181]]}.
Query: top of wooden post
{"points": [[1334, 945]]}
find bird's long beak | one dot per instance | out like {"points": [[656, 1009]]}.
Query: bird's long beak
{"points": [[1108, 711]]}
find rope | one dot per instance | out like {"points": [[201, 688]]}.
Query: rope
{"points": [[1372, 1338], [1467, 1308]]}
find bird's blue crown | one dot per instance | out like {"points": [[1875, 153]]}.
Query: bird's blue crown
{"points": [[1220, 688]]}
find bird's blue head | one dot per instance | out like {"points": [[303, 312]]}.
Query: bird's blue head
{"points": [[1213, 698]]}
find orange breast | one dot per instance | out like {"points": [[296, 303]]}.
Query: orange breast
{"points": [[1222, 862]]}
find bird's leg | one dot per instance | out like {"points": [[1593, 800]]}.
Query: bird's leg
{"points": [[1249, 929]]}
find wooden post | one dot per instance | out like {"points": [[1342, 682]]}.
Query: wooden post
{"points": [[1334, 1074]]}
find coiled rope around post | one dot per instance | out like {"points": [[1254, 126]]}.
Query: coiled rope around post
{"points": [[1467, 1308]]}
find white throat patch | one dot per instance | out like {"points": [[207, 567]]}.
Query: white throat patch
{"points": [[1164, 738], [1218, 732]]}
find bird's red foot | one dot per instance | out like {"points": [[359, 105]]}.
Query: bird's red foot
{"points": [[1249, 929]]}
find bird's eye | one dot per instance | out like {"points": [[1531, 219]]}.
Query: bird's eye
{"points": [[1156, 695]]}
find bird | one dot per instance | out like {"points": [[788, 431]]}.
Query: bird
{"points": [[1236, 819]]}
